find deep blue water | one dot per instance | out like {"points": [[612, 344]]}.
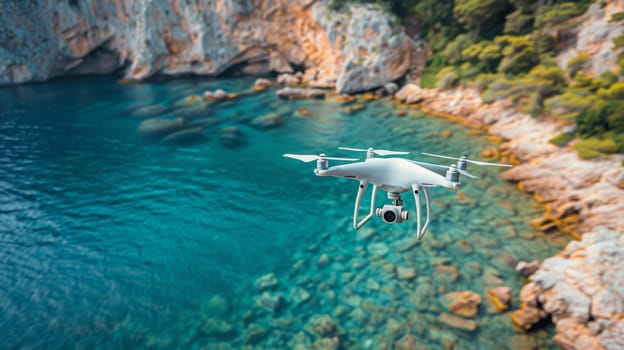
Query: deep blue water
{"points": [[111, 240]]}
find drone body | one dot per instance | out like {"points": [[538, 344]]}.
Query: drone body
{"points": [[394, 176]]}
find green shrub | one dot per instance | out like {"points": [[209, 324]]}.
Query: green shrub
{"points": [[562, 139], [468, 71], [586, 82], [617, 17], [447, 78], [618, 42], [607, 79], [595, 147], [518, 54], [569, 105], [616, 91], [576, 63], [594, 121], [453, 51]]}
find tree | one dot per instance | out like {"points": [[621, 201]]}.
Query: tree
{"points": [[554, 18], [473, 13]]}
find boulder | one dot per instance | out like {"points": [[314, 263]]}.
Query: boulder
{"points": [[267, 121], [353, 108], [266, 282], [463, 303], [261, 84], [157, 127], [298, 296], [299, 93], [501, 297], [184, 136], [289, 79], [231, 137], [410, 93], [217, 95], [526, 317], [391, 88], [526, 269], [405, 273]]}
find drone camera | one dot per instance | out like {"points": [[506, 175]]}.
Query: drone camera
{"points": [[391, 214]]}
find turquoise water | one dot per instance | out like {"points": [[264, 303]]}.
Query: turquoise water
{"points": [[113, 240]]}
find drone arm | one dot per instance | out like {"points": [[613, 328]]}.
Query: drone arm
{"points": [[358, 201], [421, 230]]}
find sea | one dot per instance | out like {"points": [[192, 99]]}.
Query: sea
{"points": [[113, 238]]}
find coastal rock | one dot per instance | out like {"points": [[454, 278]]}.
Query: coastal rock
{"points": [[501, 297], [217, 95], [410, 93], [289, 79], [526, 317], [594, 36], [357, 49], [267, 121], [261, 84], [266, 282], [526, 269], [157, 127], [584, 299], [391, 88], [463, 303], [405, 273], [296, 93]]}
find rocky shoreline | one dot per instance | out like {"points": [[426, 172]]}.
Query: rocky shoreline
{"points": [[580, 289]]}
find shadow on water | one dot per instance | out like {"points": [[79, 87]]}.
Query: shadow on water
{"points": [[112, 239]]}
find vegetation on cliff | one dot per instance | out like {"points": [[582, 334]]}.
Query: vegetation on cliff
{"points": [[507, 49]]}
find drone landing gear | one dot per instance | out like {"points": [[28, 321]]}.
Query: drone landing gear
{"points": [[416, 191], [358, 201]]}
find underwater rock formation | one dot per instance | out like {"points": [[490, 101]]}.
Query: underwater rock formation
{"points": [[357, 49]]}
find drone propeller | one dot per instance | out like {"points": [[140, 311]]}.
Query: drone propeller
{"points": [[380, 152], [311, 157], [477, 162]]}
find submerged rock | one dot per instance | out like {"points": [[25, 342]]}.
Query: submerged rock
{"points": [[271, 303], [157, 127], [266, 282], [217, 95], [323, 326], [458, 322], [295, 93], [218, 328], [149, 111], [463, 303], [184, 136], [231, 137], [267, 121]]}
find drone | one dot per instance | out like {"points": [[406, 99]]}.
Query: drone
{"points": [[394, 176]]}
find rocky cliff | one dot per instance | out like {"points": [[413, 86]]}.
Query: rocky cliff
{"points": [[357, 49]]}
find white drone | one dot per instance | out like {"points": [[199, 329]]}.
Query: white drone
{"points": [[395, 176]]}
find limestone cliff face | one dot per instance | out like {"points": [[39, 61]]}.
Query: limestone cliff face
{"points": [[594, 36], [354, 50]]}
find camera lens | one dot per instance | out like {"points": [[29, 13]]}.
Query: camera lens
{"points": [[389, 216]]}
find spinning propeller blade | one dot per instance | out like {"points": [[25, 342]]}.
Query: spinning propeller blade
{"points": [[310, 157], [477, 162], [381, 152], [465, 173]]}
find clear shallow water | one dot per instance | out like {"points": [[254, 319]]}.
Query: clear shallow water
{"points": [[111, 240]]}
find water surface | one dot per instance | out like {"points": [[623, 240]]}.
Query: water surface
{"points": [[111, 240]]}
